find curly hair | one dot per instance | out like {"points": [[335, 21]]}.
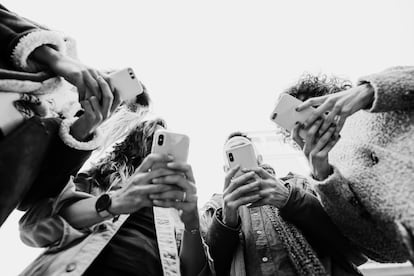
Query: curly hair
{"points": [[309, 86], [125, 157]]}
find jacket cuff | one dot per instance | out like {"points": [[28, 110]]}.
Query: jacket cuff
{"points": [[64, 133], [28, 43]]}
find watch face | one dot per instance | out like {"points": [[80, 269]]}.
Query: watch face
{"points": [[103, 203]]}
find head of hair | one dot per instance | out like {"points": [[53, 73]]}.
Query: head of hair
{"points": [[309, 86], [126, 156], [238, 134]]}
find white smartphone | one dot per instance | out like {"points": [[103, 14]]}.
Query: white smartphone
{"points": [[126, 83], [171, 143], [243, 155], [285, 114]]}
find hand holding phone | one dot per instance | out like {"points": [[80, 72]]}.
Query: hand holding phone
{"points": [[126, 83], [286, 116]]}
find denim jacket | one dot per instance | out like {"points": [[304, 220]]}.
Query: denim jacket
{"points": [[255, 249]]}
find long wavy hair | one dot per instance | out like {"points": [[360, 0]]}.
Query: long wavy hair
{"points": [[125, 157]]}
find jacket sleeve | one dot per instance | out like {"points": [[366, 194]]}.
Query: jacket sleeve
{"points": [[41, 225], [304, 210], [393, 89], [354, 221], [60, 162], [222, 242], [20, 37]]}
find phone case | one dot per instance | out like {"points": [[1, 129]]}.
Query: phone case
{"points": [[244, 156], [126, 83], [285, 114], [175, 144]]}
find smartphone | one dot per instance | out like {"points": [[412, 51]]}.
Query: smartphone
{"points": [[243, 155], [126, 83], [285, 114], [171, 143]]}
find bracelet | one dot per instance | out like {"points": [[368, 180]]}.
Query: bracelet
{"points": [[194, 231]]}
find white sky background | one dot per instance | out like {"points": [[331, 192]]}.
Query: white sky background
{"points": [[213, 67]]}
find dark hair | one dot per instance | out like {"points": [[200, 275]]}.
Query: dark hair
{"points": [[238, 134], [309, 86], [125, 157]]}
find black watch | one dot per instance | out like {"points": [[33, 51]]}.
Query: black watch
{"points": [[102, 205]]}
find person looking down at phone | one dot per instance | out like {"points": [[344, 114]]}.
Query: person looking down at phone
{"points": [[43, 137], [103, 221], [263, 225], [365, 181]]}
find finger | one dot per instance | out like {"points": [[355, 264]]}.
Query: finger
{"points": [[107, 97], [153, 158], [96, 109], [245, 189], [316, 101], [230, 174], [258, 203], [262, 173], [330, 119], [329, 146], [319, 112], [340, 124], [92, 86], [182, 167], [153, 189], [295, 135], [81, 92], [87, 108], [311, 133], [157, 173], [116, 101], [173, 179], [170, 204], [324, 139], [241, 180], [246, 200]]}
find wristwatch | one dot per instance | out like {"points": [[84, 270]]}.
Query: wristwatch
{"points": [[102, 205]]}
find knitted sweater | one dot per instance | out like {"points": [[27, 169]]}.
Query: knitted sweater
{"points": [[370, 195]]}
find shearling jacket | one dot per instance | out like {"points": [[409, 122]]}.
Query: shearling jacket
{"points": [[370, 195], [38, 155]]}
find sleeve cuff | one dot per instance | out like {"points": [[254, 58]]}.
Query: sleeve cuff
{"points": [[64, 133], [218, 217], [28, 43]]}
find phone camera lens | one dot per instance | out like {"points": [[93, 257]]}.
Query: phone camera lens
{"points": [[160, 140], [231, 158], [274, 116]]}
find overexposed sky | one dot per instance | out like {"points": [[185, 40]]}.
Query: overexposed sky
{"points": [[213, 67]]}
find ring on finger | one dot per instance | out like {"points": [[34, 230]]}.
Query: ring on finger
{"points": [[184, 196], [337, 118]]}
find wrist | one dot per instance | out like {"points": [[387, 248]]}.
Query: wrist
{"points": [[191, 220], [230, 218], [46, 55], [282, 197], [367, 94]]}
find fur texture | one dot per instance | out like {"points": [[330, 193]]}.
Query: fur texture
{"points": [[30, 42], [370, 196]]}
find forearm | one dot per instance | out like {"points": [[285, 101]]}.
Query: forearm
{"points": [[46, 56], [82, 214], [222, 241], [192, 254]]}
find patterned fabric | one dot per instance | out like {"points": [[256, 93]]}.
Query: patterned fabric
{"points": [[300, 252]]}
